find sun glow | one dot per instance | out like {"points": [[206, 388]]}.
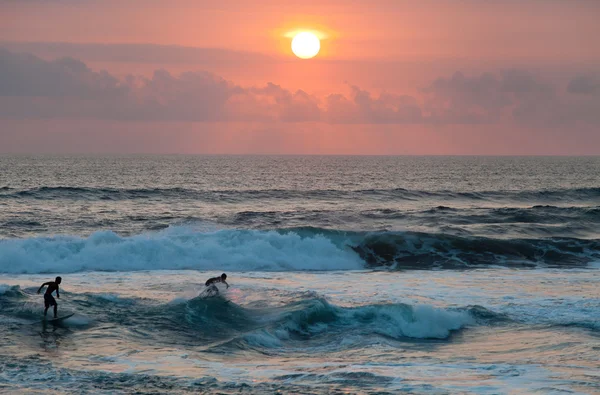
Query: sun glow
{"points": [[306, 45]]}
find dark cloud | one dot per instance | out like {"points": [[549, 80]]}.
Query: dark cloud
{"points": [[584, 85], [33, 88], [516, 96], [486, 98], [193, 96], [27, 75]]}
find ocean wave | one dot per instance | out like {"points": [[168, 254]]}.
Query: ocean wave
{"points": [[219, 319], [414, 250], [90, 193], [103, 193], [542, 214], [505, 222], [317, 319], [176, 248], [11, 291], [295, 249], [534, 221], [219, 324], [317, 316]]}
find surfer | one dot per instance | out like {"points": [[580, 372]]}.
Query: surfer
{"points": [[210, 284], [48, 298]]}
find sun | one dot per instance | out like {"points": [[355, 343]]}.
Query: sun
{"points": [[306, 45]]}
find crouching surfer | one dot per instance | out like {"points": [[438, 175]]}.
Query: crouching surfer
{"points": [[48, 298], [211, 288]]}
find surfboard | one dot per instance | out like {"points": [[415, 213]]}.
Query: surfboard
{"points": [[57, 320], [209, 292]]}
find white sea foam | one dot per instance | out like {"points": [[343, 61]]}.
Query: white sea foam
{"points": [[77, 320], [398, 320], [175, 248], [423, 321]]}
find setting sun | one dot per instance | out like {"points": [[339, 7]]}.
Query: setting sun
{"points": [[306, 45]]}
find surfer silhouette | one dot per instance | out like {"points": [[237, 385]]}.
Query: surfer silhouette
{"points": [[48, 298], [210, 284]]}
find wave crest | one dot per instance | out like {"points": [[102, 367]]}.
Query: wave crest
{"points": [[177, 248], [392, 320], [414, 250], [295, 249]]}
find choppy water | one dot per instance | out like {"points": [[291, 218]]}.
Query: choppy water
{"points": [[349, 274]]}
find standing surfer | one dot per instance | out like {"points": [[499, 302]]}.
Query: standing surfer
{"points": [[48, 298]]}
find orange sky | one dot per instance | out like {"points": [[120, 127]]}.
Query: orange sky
{"points": [[392, 29], [394, 46]]}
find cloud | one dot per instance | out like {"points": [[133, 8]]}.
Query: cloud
{"points": [[33, 88], [193, 96], [138, 53], [27, 75], [584, 85], [487, 98], [511, 96], [362, 107], [286, 106]]}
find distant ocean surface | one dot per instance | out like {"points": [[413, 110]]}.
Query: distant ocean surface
{"points": [[369, 275]]}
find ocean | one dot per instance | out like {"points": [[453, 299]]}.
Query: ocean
{"points": [[348, 275]]}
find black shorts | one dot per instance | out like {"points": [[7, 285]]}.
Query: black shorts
{"points": [[49, 300]]}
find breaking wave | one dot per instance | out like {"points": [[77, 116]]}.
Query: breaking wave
{"points": [[312, 318], [217, 319], [297, 249]]}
